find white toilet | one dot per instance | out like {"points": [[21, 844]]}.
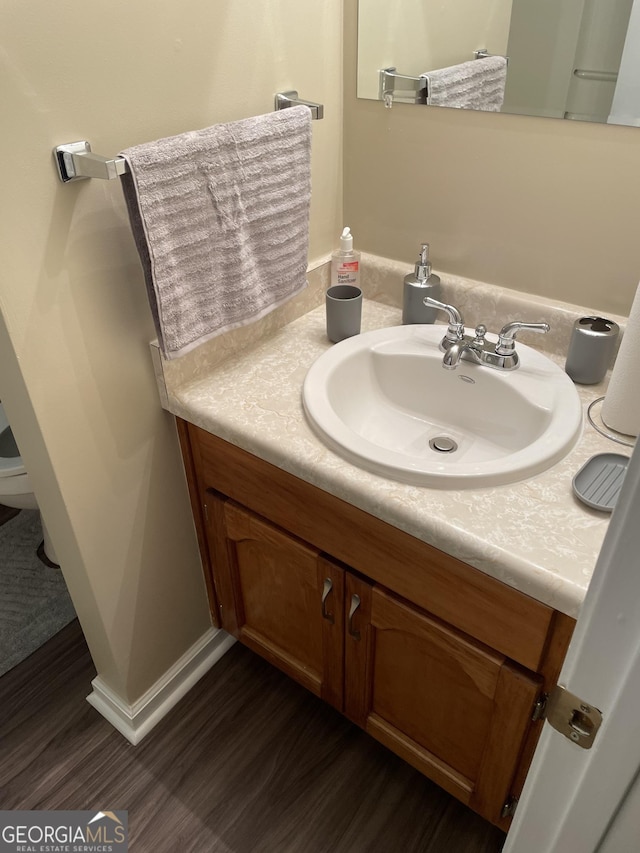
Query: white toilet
{"points": [[15, 488]]}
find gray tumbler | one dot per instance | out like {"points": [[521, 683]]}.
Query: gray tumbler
{"points": [[344, 311], [591, 349]]}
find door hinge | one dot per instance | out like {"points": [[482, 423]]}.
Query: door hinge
{"points": [[576, 719], [206, 511], [508, 809]]}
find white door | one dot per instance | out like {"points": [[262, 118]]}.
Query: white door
{"points": [[622, 836], [573, 797]]}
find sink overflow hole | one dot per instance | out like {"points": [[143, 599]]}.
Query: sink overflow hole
{"points": [[443, 444], [468, 379]]}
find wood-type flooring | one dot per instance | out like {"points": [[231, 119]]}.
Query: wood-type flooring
{"points": [[247, 762]]}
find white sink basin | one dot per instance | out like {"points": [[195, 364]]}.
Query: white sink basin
{"points": [[379, 399]]}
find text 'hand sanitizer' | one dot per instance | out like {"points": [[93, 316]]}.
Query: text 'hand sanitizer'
{"points": [[345, 263]]}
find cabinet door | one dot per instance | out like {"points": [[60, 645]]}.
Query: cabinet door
{"points": [[451, 707], [287, 602]]}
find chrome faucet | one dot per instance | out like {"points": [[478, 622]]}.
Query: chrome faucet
{"points": [[473, 348], [458, 346]]}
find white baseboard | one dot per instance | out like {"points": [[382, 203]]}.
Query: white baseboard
{"points": [[135, 721]]}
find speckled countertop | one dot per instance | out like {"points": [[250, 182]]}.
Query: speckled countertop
{"points": [[534, 535]]}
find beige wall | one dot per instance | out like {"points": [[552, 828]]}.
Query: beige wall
{"points": [[75, 370], [538, 205]]}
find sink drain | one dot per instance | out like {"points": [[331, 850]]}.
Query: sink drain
{"points": [[443, 444]]}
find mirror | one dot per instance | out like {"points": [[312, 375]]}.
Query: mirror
{"points": [[569, 59]]}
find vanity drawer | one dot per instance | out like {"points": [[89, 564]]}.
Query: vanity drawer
{"points": [[509, 621]]}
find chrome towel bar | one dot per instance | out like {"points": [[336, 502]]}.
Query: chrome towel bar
{"points": [[75, 160], [402, 88], [483, 53], [291, 99]]}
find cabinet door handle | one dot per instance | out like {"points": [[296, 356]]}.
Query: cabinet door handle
{"points": [[326, 589], [355, 603]]}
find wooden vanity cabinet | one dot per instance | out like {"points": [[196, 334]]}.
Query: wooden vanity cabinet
{"points": [[376, 632]]}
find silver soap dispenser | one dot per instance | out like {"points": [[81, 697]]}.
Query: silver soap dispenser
{"points": [[418, 284]]}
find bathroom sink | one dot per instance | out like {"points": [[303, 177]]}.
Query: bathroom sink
{"points": [[383, 401]]}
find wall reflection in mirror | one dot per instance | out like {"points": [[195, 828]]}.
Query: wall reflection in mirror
{"points": [[569, 59]]}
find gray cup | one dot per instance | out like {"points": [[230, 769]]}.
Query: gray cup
{"points": [[591, 349], [344, 311]]}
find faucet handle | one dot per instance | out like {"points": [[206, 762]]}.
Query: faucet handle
{"points": [[507, 338], [455, 330], [481, 331]]}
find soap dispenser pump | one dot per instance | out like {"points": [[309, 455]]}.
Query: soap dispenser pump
{"points": [[418, 284]]}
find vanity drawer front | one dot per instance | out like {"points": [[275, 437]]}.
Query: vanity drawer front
{"points": [[503, 618]]}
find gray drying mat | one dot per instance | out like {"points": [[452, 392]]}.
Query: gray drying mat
{"points": [[599, 481]]}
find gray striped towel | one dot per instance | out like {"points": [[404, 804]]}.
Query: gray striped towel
{"points": [[221, 221], [475, 85]]}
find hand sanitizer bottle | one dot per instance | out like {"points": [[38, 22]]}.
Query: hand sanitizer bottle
{"points": [[345, 263], [417, 285]]}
